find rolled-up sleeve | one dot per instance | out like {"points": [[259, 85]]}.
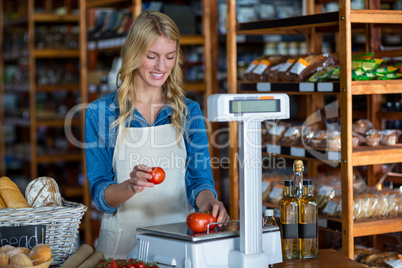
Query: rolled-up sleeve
{"points": [[98, 156], [198, 173]]}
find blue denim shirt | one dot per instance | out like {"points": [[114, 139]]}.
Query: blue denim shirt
{"points": [[100, 140]]}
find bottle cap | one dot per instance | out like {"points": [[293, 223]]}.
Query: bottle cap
{"points": [[306, 182], [269, 212], [288, 182], [298, 166]]}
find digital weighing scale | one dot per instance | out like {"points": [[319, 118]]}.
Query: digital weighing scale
{"points": [[242, 244]]}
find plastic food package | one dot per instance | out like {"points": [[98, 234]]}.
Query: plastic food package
{"points": [[389, 136], [334, 140], [362, 126], [308, 132], [319, 139], [292, 135], [304, 67], [373, 137], [276, 132], [276, 194]]}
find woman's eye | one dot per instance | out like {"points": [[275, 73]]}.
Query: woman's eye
{"points": [[170, 58], [149, 57]]}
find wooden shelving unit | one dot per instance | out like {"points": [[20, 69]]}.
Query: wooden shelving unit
{"points": [[343, 23], [28, 119]]}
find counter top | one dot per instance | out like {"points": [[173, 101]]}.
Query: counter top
{"points": [[328, 258]]}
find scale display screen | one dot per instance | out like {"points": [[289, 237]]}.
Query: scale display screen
{"points": [[254, 106]]}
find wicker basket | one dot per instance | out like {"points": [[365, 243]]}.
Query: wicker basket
{"points": [[62, 225]]}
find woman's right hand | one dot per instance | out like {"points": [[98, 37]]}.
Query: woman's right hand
{"points": [[139, 178]]}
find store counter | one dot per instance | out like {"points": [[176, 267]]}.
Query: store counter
{"points": [[328, 258]]}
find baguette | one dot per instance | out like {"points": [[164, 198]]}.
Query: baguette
{"points": [[2, 204], [11, 195]]}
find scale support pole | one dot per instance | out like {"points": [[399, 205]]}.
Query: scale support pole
{"points": [[250, 168]]}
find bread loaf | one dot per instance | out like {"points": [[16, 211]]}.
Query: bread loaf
{"points": [[11, 195], [40, 253], [2, 204], [20, 260], [43, 192], [3, 259]]}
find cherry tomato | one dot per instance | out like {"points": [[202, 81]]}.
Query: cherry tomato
{"points": [[140, 265], [158, 175], [131, 265], [198, 222]]}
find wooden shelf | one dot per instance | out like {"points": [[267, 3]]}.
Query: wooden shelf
{"points": [[194, 86], [193, 39], [358, 87], [55, 158], [104, 3], [377, 226], [303, 24], [56, 53], [372, 23], [16, 88], [54, 18], [55, 88], [40, 122]]}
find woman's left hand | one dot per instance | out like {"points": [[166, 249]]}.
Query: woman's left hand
{"points": [[206, 201]]}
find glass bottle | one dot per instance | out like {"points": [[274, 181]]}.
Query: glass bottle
{"points": [[308, 213], [289, 222], [269, 218], [298, 169]]}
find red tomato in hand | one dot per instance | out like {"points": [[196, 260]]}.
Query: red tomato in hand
{"points": [[158, 175], [198, 222]]}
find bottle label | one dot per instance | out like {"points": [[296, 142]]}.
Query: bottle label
{"points": [[308, 230], [290, 231]]}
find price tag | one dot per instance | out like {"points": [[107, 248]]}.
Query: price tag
{"points": [[299, 152], [322, 223], [334, 156], [273, 149], [306, 87], [394, 263], [265, 185], [325, 87], [325, 190], [263, 86], [330, 207]]}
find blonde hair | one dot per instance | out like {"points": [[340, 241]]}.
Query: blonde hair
{"points": [[146, 28]]}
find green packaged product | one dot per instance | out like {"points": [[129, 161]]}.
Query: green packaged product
{"points": [[322, 75], [386, 69], [367, 65], [390, 76], [367, 76]]}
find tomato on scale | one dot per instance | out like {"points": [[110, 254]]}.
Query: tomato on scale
{"points": [[198, 221], [158, 176]]}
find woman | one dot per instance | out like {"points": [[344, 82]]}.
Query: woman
{"points": [[147, 122]]}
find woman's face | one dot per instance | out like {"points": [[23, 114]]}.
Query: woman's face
{"points": [[157, 65]]}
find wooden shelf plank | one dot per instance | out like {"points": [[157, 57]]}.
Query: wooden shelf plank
{"points": [[54, 158], [103, 3], [194, 86], [376, 87], [293, 25], [363, 155], [289, 87], [389, 115], [377, 226], [192, 39], [54, 18], [375, 16], [15, 55], [55, 53], [57, 123]]}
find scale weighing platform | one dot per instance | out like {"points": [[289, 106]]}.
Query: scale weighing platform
{"points": [[242, 244]]}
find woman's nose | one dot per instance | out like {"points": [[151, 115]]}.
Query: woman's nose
{"points": [[160, 65]]}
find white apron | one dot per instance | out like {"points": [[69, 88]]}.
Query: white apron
{"points": [[164, 203]]}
